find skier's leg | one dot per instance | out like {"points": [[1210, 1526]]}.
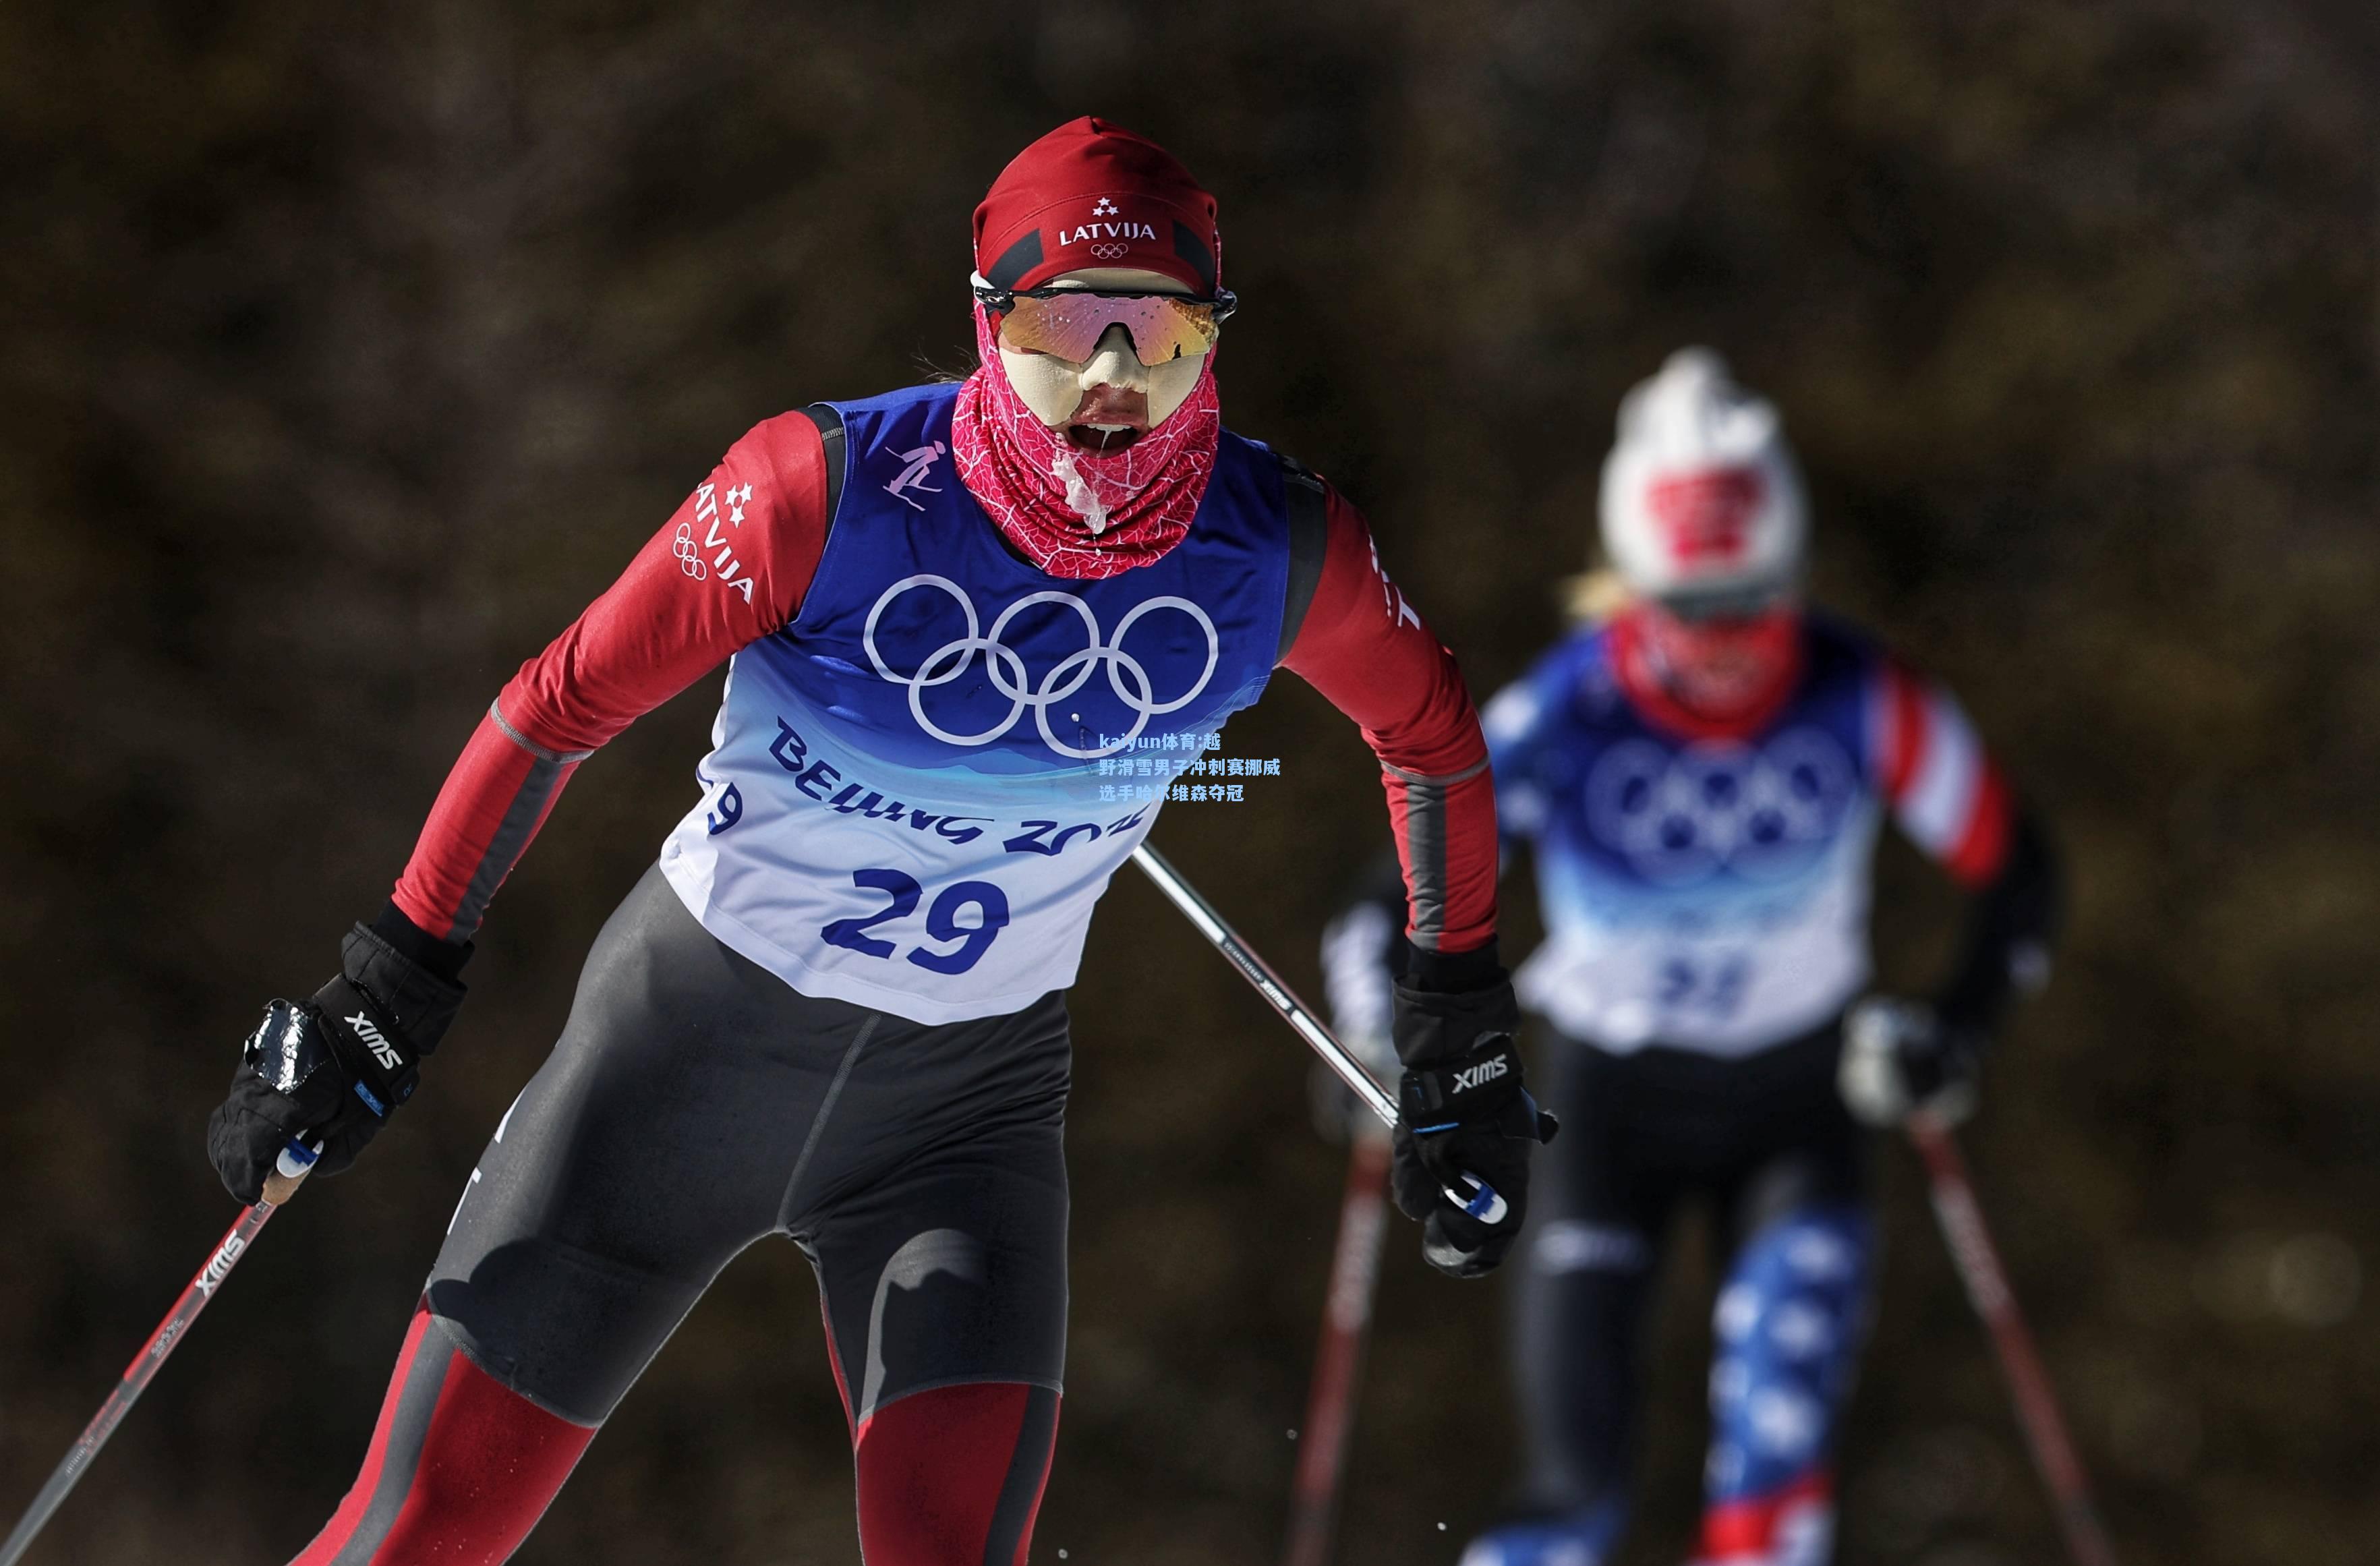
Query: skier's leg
{"points": [[954, 1473], [1576, 1309], [459, 1467], [1787, 1330], [944, 1284], [653, 1144]]}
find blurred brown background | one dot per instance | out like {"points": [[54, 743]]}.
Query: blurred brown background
{"points": [[349, 350]]}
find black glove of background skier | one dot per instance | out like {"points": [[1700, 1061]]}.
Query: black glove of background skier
{"points": [[1464, 1111], [332, 1068], [1901, 1056]]}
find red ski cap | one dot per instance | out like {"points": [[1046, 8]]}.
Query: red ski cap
{"points": [[1093, 194]]}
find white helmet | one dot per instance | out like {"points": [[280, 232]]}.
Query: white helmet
{"points": [[1702, 502]]}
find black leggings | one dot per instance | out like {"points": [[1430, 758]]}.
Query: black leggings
{"points": [[1767, 1142], [694, 1105]]}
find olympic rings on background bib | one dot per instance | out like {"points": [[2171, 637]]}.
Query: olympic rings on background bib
{"points": [[1009, 676], [1678, 817]]}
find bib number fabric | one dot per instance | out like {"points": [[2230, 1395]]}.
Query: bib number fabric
{"points": [[942, 921], [1710, 985]]}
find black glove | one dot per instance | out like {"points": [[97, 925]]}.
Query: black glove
{"points": [[332, 1068], [1465, 1116], [1901, 1057]]}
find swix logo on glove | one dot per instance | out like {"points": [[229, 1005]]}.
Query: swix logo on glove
{"points": [[1480, 1075], [377, 1042], [1439, 1100]]}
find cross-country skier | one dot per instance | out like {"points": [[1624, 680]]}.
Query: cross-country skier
{"points": [[1701, 775], [834, 1009]]}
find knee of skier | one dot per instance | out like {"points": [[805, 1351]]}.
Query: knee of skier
{"points": [[1786, 1335], [953, 1476]]}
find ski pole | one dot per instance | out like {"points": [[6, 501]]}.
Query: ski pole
{"points": [[1346, 1320], [1979, 1262], [1482, 1203], [289, 1172]]}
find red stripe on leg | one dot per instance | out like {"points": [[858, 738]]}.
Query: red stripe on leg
{"points": [[490, 1465], [485, 1462], [834, 1363], [932, 1467], [358, 1499], [1751, 1530]]}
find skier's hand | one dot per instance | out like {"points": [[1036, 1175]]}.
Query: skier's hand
{"points": [[1465, 1115], [332, 1069], [1898, 1057]]}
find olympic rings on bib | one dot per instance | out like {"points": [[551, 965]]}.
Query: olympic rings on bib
{"points": [[1005, 666], [1677, 818]]}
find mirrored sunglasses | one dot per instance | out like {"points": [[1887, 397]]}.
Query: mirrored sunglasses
{"points": [[1069, 322]]}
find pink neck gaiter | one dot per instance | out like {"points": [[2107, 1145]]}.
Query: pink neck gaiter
{"points": [[1077, 514]]}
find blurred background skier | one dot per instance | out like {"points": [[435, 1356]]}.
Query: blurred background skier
{"points": [[834, 1009], [1701, 766]]}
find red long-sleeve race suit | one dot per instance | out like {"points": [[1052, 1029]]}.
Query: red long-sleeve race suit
{"points": [[427, 1492]]}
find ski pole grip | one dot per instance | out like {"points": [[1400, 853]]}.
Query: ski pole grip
{"points": [[1484, 1202], [289, 1172]]}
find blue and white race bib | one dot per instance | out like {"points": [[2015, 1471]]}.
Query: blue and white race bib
{"points": [[901, 806]]}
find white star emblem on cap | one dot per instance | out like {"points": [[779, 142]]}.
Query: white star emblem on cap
{"points": [[1105, 208]]}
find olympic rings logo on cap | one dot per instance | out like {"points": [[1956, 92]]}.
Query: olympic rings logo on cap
{"points": [[1005, 666], [1105, 250], [689, 559]]}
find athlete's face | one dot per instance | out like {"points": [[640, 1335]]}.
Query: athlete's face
{"points": [[1108, 401], [1719, 665]]}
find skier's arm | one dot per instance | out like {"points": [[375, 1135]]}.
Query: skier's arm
{"points": [[1364, 649], [1361, 954], [1953, 802], [328, 1073], [1463, 1113], [729, 567]]}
